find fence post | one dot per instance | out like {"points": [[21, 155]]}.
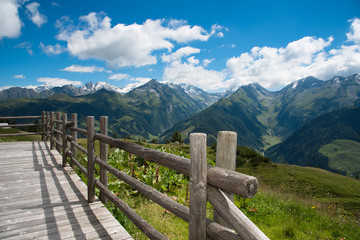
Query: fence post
{"points": [[58, 117], [64, 142], [198, 181], [90, 162], [225, 158], [51, 130], [43, 126], [47, 127], [74, 136], [103, 156]]}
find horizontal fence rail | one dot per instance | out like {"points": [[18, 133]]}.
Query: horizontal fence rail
{"points": [[22, 125], [217, 184]]}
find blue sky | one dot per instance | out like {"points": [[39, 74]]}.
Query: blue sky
{"points": [[214, 45]]}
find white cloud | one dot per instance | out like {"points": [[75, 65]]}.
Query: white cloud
{"points": [[206, 62], [58, 82], [217, 28], [119, 76], [193, 61], [10, 23], [55, 5], [182, 52], [126, 45], [309, 56], [34, 15], [272, 67], [51, 50], [196, 75], [20, 76], [27, 46], [354, 35], [83, 69]]}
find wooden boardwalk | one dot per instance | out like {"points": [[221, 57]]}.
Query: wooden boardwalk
{"points": [[39, 199]]}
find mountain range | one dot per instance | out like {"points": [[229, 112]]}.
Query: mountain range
{"points": [[45, 91], [261, 118], [145, 111]]}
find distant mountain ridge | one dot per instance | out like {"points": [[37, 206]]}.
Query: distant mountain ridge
{"points": [[263, 118], [47, 90], [202, 98], [260, 117], [145, 111]]}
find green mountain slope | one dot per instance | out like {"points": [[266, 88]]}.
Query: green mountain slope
{"points": [[146, 111], [343, 155], [263, 118], [302, 148], [235, 113]]}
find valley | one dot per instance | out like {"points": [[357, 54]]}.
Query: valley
{"points": [[268, 122], [343, 155]]}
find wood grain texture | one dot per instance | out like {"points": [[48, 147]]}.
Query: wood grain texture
{"points": [[198, 176], [90, 159], [225, 158], [39, 199], [103, 156], [230, 181], [233, 215]]}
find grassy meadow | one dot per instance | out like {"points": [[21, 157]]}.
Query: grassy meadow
{"points": [[343, 155], [292, 202]]}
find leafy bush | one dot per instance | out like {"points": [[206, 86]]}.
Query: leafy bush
{"points": [[246, 155]]}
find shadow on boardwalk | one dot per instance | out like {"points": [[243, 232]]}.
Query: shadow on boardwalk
{"points": [[39, 199]]}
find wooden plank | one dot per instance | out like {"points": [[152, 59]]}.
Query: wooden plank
{"points": [[103, 156], [20, 117], [64, 144], [228, 180], [39, 223], [58, 118], [20, 134], [141, 223], [90, 158], [198, 176], [74, 136], [40, 199], [21, 125], [52, 130], [234, 216], [225, 158]]}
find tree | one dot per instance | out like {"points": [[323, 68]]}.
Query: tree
{"points": [[176, 137]]}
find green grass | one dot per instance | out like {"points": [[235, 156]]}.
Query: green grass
{"points": [[284, 217], [17, 138], [292, 202], [310, 184], [343, 155]]}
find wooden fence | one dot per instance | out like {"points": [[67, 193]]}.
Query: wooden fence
{"points": [[207, 183]]}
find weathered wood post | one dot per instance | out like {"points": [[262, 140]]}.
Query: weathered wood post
{"points": [[58, 118], [103, 156], [64, 142], [43, 126], [74, 136], [47, 126], [90, 162], [198, 185], [52, 130], [225, 158]]}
